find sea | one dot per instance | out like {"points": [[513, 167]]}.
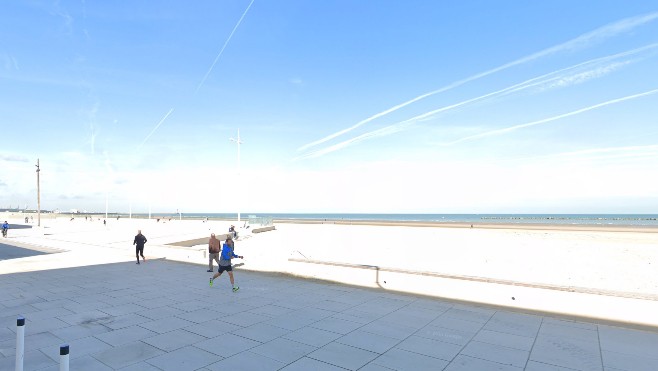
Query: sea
{"points": [[558, 219]]}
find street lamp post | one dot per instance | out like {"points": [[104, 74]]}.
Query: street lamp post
{"points": [[38, 196], [238, 142]]}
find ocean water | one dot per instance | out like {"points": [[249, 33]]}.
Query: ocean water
{"points": [[572, 219]]}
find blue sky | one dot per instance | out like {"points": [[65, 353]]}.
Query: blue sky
{"points": [[342, 106]]}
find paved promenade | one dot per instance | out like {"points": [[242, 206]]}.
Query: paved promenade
{"points": [[162, 315]]}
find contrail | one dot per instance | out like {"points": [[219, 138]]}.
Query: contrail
{"points": [[543, 121], [392, 129], [580, 41], [536, 81], [223, 47], [155, 128]]}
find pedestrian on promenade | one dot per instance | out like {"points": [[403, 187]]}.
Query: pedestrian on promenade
{"points": [[225, 262], [5, 228], [139, 241], [213, 251]]}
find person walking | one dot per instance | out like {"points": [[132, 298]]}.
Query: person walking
{"points": [[5, 228], [213, 251], [139, 241], [225, 262]]}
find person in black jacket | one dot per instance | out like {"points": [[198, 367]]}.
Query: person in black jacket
{"points": [[139, 241]]}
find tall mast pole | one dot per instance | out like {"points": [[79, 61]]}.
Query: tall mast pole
{"points": [[38, 196], [238, 141]]}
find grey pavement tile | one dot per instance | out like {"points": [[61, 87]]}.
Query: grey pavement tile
{"points": [[283, 350], [314, 314], [119, 301], [312, 336], [538, 366], [34, 341], [86, 307], [367, 341], [564, 352], [141, 366], [47, 325], [628, 341], [436, 305], [514, 323], [571, 323], [89, 317], [365, 315], [227, 345], [6, 334], [173, 340], [57, 303], [127, 354], [125, 335], [355, 296], [77, 348], [620, 361], [122, 309], [337, 325], [375, 308], [199, 315], [445, 334], [571, 332], [352, 318], [289, 322], [261, 332], [271, 310], [166, 324], [47, 314], [468, 314], [90, 299], [507, 340], [126, 320], [402, 360], [160, 312], [374, 367], [343, 356], [309, 364], [183, 359], [496, 353], [191, 305], [246, 361], [421, 314], [466, 363], [230, 307], [256, 301], [85, 362], [394, 330], [332, 305], [212, 328], [413, 322], [71, 333], [244, 319], [22, 303], [122, 292], [457, 324], [157, 302], [429, 347], [33, 360]]}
